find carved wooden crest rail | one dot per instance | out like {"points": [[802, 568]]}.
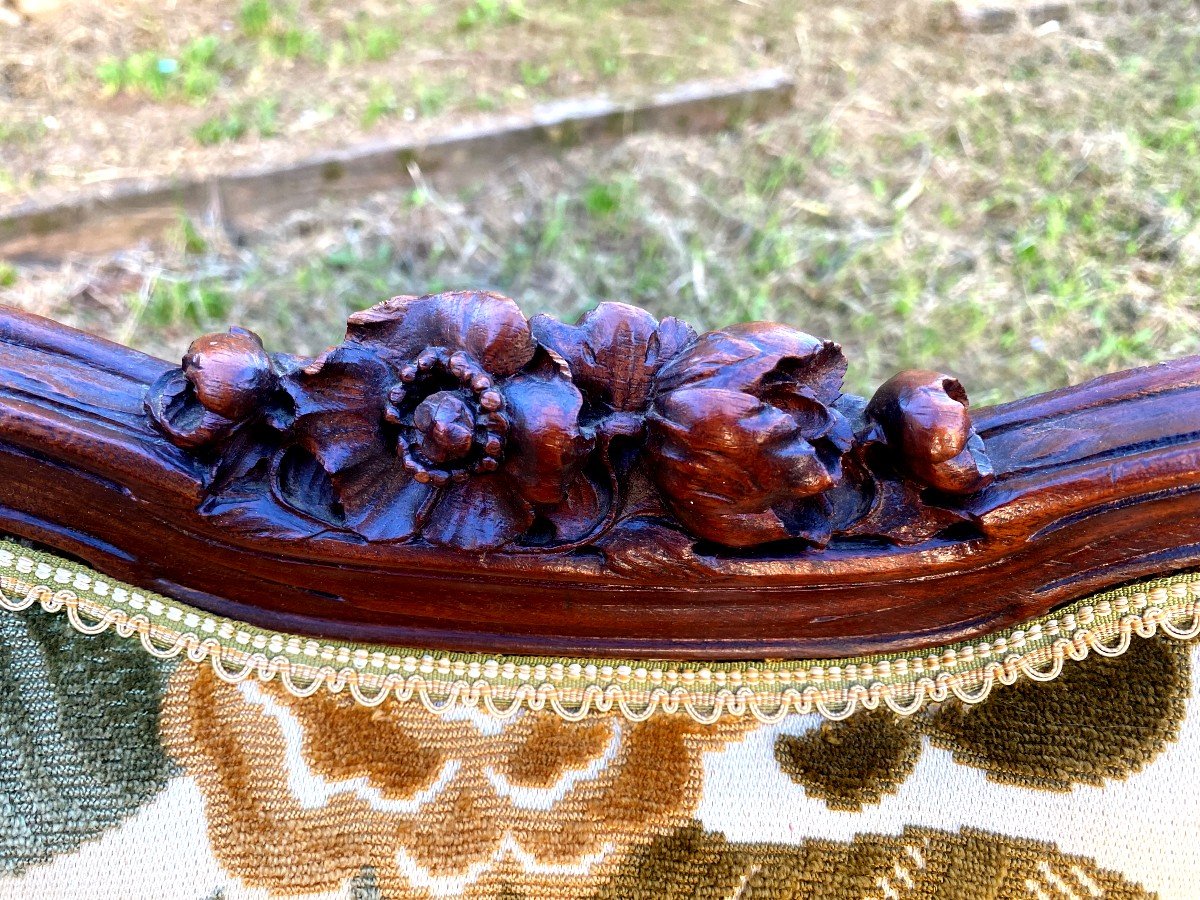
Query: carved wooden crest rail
{"points": [[456, 475]]}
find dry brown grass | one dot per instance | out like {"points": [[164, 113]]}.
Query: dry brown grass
{"points": [[316, 74], [1019, 209]]}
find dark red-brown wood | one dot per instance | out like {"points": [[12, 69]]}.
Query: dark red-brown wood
{"points": [[907, 522]]}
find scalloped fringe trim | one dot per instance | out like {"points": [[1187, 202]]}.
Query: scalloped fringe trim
{"points": [[575, 689]]}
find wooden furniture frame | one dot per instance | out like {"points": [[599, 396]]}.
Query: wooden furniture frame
{"points": [[457, 476]]}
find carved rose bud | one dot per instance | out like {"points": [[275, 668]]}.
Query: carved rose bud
{"points": [[225, 379], [743, 437], [926, 422], [231, 372]]}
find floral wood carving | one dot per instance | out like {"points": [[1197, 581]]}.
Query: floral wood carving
{"points": [[453, 420]]}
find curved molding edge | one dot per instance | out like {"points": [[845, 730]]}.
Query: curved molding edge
{"points": [[575, 688], [456, 475]]}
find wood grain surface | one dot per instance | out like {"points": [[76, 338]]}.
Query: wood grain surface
{"points": [[651, 493]]}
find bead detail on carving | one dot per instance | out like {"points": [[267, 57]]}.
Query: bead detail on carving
{"points": [[451, 419], [450, 416]]}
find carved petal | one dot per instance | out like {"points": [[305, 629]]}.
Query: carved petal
{"points": [[173, 405], [615, 350], [488, 326], [579, 513], [753, 357], [381, 502], [480, 514], [339, 401], [725, 460], [546, 446], [669, 340]]}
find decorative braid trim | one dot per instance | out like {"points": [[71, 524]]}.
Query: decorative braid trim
{"points": [[575, 688]]}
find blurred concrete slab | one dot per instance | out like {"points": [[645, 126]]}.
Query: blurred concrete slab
{"points": [[993, 16], [119, 215]]}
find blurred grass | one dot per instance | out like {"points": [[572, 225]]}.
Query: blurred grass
{"points": [[193, 73], [144, 87], [1020, 210]]}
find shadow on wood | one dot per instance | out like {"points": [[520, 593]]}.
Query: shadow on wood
{"points": [[456, 476]]}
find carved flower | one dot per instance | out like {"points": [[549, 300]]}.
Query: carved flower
{"points": [[615, 353], [743, 438], [460, 800], [452, 417], [439, 414], [915, 451], [231, 372]]}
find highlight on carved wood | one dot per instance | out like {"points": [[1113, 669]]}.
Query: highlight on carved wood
{"points": [[453, 420], [456, 475]]}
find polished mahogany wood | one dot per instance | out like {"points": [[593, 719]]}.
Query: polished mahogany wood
{"points": [[456, 476]]}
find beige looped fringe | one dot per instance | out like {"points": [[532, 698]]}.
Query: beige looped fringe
{"points": [[574, 688]]}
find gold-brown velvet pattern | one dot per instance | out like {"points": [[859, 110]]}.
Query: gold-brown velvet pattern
{"points": [[537, 801], [919, 864], [852, 762], [1102, 718]]}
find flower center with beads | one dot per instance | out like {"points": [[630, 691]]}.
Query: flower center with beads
{"points": [[450, 417]]}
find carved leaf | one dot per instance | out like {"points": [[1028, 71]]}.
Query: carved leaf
{"points": [[249, 507], [173, 405], [669, 340], [579, 512], [382, 502], [339, 402], [643, 547], [895, 511], [752, 356], [615, 351], [248, 449], [300, 482]]}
